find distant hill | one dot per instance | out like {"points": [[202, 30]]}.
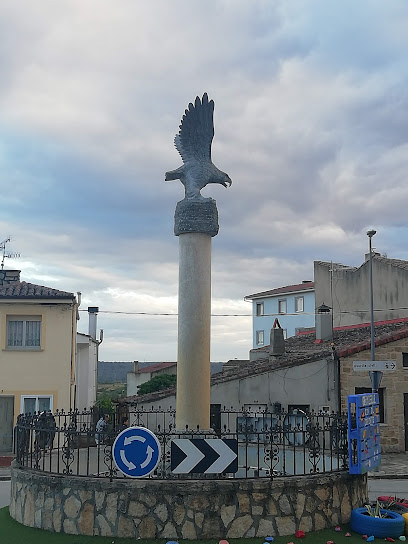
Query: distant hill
{"points": [[115, 371]]}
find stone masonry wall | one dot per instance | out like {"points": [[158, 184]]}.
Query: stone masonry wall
{"points": [[189, 509], [395, 384]]}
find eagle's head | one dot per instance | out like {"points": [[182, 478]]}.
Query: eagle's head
{"points": [[222, 178]]}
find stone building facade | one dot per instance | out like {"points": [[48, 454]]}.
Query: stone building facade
{"points": [[393, 388]]}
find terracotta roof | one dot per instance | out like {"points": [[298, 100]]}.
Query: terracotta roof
{"points": [[155, 367], [24, 290], [306, 286], [301, 350]]}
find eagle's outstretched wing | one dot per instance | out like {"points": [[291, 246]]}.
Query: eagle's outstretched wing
{"points": [[196, 133]]}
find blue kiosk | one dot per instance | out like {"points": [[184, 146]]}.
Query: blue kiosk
{"points": [[364, 432]]}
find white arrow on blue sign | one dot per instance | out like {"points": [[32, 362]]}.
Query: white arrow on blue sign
{"points": [[136, 452]]}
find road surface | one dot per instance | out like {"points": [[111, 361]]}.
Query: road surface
{"points": [[384, 486], [4, 493]]}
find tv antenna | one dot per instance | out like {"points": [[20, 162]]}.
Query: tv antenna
{"points": [[6, 254]]}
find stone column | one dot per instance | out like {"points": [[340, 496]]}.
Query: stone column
{"points": [[195, 223]]}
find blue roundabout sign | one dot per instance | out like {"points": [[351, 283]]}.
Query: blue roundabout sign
{"points": [[136, 452]]}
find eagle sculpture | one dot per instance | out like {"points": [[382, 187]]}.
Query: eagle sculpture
{"points": [[193, 142]]}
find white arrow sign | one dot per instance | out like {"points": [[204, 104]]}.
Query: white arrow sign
{"points": [[204, 456], [226, 456], [194, 456], [149, 456], [382, 366], [129, 439], [129, 464]]}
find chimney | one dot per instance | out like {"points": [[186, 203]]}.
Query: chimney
{"points": [[93, 317], [9, 276], [277, 342], [135, 366], [324, 326]]}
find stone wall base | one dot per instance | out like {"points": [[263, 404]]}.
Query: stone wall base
{"points": [[188, 509]]}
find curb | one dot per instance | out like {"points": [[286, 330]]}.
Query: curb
{"points": [[389, 477]]}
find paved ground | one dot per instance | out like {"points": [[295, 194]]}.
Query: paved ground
{"points": [[4, 493], [386, 486], [393, 465]]}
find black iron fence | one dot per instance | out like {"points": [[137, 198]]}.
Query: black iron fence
{"points": [[270, 443]]}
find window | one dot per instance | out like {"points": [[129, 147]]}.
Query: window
{"points": [[365, 390], [299, 304], [259, 308], [405, 360], [23, 332], [33, 403], [282, 306], [295, 407], [259, 338]]}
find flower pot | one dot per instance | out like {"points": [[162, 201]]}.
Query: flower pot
{"points": [[393, 525]]}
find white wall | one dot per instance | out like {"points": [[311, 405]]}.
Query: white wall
{"points": [[349, 291], [312, 384], [134, 380], [86, 371]]}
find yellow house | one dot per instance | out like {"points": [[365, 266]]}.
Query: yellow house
{"points": [[37, 350]]}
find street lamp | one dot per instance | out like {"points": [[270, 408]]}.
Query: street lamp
{"points": [[375, 375]]}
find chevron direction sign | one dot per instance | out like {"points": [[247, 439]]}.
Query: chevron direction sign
{"points": [[204, 455]]}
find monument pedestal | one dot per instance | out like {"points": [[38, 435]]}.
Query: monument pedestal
{"points": [[195, 223]]}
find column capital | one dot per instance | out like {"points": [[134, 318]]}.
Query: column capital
{"points": [[196, 216]]}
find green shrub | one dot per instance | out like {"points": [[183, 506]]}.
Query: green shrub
{"points": [[157, 384]]}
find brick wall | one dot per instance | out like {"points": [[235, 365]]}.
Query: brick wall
{"points": [[395, 384]]}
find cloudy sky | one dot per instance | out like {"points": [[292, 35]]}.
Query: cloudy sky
{"points": [[311, 124]]}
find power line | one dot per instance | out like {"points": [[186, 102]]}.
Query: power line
{"points": [[165, 314], [175, 314]]}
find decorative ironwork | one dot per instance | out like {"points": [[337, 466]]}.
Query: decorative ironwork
{"points": [[271, 443]]}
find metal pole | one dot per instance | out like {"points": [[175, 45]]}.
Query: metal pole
{"points": [[372, 299], [375, 375]]}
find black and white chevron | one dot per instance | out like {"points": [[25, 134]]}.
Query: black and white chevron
{"points": [[204, 455]]}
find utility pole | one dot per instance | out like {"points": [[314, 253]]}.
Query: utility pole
{"points": [[375, 375]]}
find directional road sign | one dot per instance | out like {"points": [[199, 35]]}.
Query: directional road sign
{"points": [[204, 455], [136, 452], [382, 366]]}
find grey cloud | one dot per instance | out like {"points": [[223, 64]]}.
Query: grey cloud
{"points": [[310, 123]]}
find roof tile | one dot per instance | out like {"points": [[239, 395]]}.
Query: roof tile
{"points": [[306, 286], [22, 289]]}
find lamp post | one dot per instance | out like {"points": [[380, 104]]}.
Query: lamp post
{"points": [[375, 375]]}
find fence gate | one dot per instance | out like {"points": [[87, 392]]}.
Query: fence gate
{"points": [[6, 423]]}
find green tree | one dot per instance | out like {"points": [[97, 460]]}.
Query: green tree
{"points": [[157, 384], [104, 405]]}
